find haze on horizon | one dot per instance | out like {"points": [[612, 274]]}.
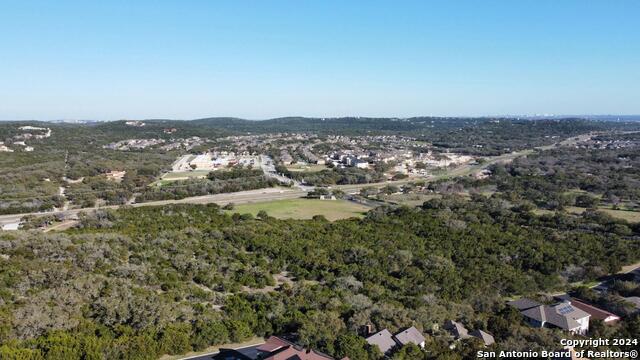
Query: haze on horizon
{"points": [[257, 60]]}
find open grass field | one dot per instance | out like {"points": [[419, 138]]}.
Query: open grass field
{"points": [[306, 168], [170, 177], [409, 199], [305, 209]]}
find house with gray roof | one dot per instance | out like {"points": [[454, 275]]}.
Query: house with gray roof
{"points": [[523, 304], [563, 315], [388, 343], [456, 329], [459, 332], [485, 337], [410, 336], [383, 340]]}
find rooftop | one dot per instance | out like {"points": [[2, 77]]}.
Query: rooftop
{"points": [[523, 304], [383, 339], [563, 315], [410, 335]]}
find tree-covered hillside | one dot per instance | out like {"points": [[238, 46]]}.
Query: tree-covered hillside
{"points": [[139, 282], [567, 176]]}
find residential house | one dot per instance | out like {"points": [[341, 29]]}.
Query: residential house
{"points": [[563, 315], [410, 336], [523, 304], [485, 337], [383, 340], [596, 313], [456, 329], [286, 158], [459, 332], [388, 343]]}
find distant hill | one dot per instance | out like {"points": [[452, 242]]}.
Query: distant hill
{"points": [[613, 117], [621, 118]]}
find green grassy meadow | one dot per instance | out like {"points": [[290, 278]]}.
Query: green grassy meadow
{"points": [[304, 209]]}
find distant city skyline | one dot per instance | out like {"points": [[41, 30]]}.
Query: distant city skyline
{"points": [[259, 60]]}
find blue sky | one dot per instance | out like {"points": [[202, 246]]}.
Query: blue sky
{"points": [[260, 59]]}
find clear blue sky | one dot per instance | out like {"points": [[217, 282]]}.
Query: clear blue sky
{"points": [[259, 59]]}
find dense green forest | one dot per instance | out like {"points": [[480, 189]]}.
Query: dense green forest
{"points": [[566, 176], [139, 282], [31, 181]]}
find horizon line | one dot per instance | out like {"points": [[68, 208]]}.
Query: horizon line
{"points": [[505, 116]]}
